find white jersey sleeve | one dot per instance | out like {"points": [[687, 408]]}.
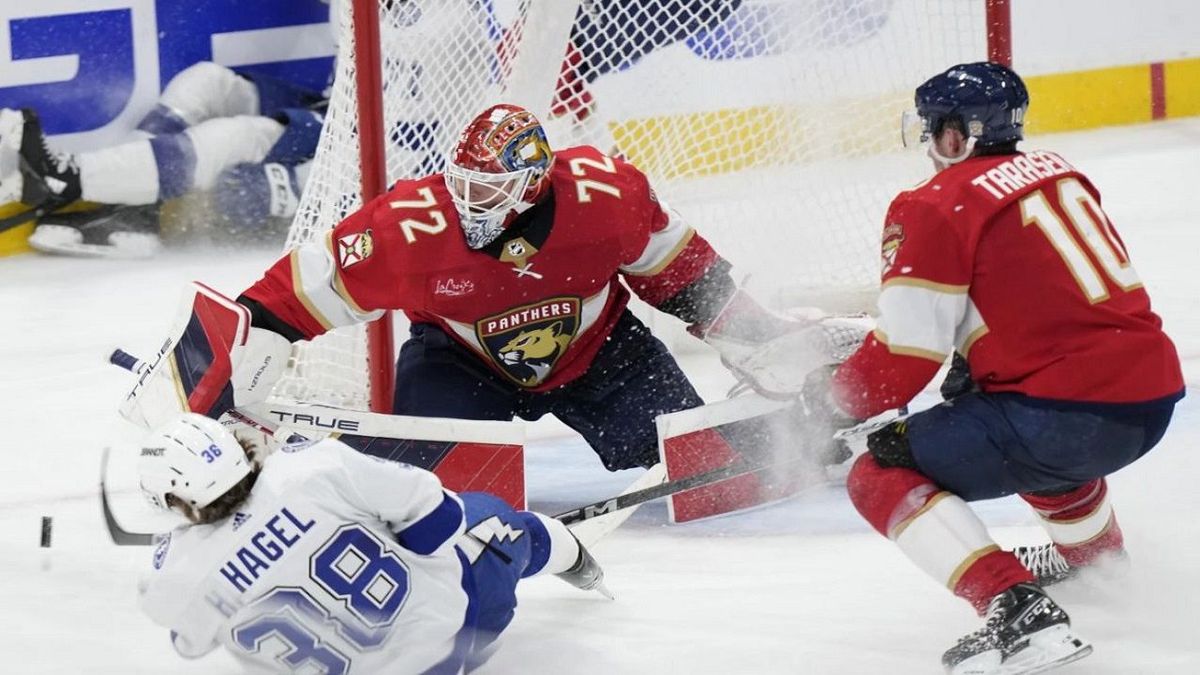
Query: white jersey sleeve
{"points": [[337, 562], [424, 517]]}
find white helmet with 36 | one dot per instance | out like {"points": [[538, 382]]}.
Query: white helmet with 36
{"points": [[192, 457]]}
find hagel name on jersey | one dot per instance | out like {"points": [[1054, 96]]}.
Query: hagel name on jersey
{"points": [[266, 546]]}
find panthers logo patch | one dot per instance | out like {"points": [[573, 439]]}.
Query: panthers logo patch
{"points": [[893, 237], [525, 342]]}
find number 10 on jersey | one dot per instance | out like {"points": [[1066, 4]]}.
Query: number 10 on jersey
{"points": [[1091, 225]]}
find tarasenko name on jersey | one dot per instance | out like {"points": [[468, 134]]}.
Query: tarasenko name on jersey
{"points": [[1009, 177], [267, 545]]}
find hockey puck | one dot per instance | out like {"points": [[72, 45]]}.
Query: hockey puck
{"points": [[46, 531]]}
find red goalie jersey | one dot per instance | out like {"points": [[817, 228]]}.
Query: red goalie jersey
{"points": [[536, 304], [1011, 261]]}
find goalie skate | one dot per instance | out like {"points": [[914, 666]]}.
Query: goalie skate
{"points": [[1026, 632], [108, 232]]}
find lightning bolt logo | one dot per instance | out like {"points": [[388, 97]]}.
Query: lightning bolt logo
{"points": [[479, 537]]}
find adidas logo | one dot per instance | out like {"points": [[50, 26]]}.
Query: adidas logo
{"points": [[239, 519]]}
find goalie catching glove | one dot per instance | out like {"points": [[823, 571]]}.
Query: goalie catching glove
{"points": [[212, 362], [775, 354]]}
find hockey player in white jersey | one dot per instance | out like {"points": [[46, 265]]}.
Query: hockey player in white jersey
{"points": [[248, 140], [324, 560]]}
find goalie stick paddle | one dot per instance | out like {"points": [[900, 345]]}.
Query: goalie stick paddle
{"points": [[120, 536]]}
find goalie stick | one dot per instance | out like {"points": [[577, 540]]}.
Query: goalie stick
{"points": [[304, 418]]}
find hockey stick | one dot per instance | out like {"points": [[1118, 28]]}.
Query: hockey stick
{"points": [[33, 213], [120, 536], [306, 418]]}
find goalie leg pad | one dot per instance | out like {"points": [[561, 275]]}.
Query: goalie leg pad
{"points": [[495, 468], [695, 453], [716, 435]]}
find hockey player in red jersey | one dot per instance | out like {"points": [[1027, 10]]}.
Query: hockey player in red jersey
{"points": [[1007, 258], [514, 267]]}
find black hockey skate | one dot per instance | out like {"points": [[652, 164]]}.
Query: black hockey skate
{"points": [[50, 180], [109, 231], [586, 574], [1026, 632], [1050, 568]]}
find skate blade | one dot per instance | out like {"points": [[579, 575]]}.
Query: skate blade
{"points": [[603, 590], [1047, 649], [63, 240]]}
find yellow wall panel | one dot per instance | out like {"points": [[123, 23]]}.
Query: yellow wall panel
{"points": [[1183, 87], [1087, 99], [15, 240]]}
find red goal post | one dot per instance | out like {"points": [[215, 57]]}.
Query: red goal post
{"points": [[767, 123]]}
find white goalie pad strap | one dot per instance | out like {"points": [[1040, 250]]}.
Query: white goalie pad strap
{"points": [[920, 318], [943, 538], [1080, 530]]}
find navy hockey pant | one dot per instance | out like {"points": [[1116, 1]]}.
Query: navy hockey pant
{"points": [[613, 405], [983, 446]]}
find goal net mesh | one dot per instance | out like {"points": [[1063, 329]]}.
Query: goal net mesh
{"points": [[771, 125]]}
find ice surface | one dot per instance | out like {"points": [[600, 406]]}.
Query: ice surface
{"points": [[799, 587]]}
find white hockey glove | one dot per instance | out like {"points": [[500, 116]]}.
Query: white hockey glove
{"points": [[213, 361], [774, 354]]}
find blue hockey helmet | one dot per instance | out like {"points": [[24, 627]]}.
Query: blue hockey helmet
{"points": [[987, 98]]}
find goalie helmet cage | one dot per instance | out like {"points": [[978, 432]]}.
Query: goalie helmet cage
{"points": [[768, 124]]}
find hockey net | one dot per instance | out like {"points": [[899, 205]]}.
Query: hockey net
{"points": [[771, 125]]}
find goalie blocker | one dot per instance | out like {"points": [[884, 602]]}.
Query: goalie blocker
{"points": [[212, 362]]}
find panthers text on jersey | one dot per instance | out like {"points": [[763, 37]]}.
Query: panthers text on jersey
{"points": [[536, 304], [1011, 261]]}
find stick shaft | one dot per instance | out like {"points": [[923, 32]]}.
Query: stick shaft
{"points": [[631, 499]]}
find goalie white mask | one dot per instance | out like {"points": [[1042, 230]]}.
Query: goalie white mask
{"points": [[192, 457], [500, 168]]}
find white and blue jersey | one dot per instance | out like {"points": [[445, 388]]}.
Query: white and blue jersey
{"points": [[337, 563]]}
